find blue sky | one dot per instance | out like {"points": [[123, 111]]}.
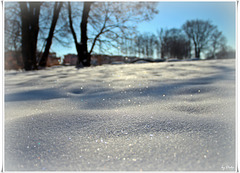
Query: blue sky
{"points": [[175, 14]]}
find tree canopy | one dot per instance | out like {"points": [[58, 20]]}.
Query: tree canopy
{"points": [[199, 32], [109, 21]]}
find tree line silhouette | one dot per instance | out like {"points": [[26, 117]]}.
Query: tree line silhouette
{"points": [[195, 35], [32, 27]]}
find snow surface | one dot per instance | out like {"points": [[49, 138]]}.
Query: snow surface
{"points": [[149, 117]]}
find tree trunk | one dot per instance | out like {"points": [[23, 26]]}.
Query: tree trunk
{"points": [[162, 51], [196, 53], [84, 57], [35, 8], [44, 58], [30, 27], [197, 50], [27, 61]]}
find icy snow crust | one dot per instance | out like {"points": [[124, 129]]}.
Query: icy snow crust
{"points": [[149, 117]]}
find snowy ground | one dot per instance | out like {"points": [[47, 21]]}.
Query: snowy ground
{"points": [[149, 117]]}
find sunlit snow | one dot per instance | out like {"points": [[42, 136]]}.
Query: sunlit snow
{"points": [[137, 117]]}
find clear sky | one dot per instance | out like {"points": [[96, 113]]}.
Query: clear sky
{"points": [[175, 14]]}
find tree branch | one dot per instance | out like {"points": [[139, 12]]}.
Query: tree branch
{"points": [[100, 33], [71, 23]]}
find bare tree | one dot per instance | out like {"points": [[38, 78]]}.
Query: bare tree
{"points": [[82, 50], [178, 45], [148, 44], [32, 27], [108, 21], [216, 44], [56, 11], [162, 42], [139, 43], [226, 53], [12, 29], [199, 31], [173, 43]]}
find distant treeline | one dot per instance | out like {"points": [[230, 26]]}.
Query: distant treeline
{"points": [[194, 38]]}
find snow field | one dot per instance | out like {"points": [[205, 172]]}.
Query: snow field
{"points": [[150, 117]]}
